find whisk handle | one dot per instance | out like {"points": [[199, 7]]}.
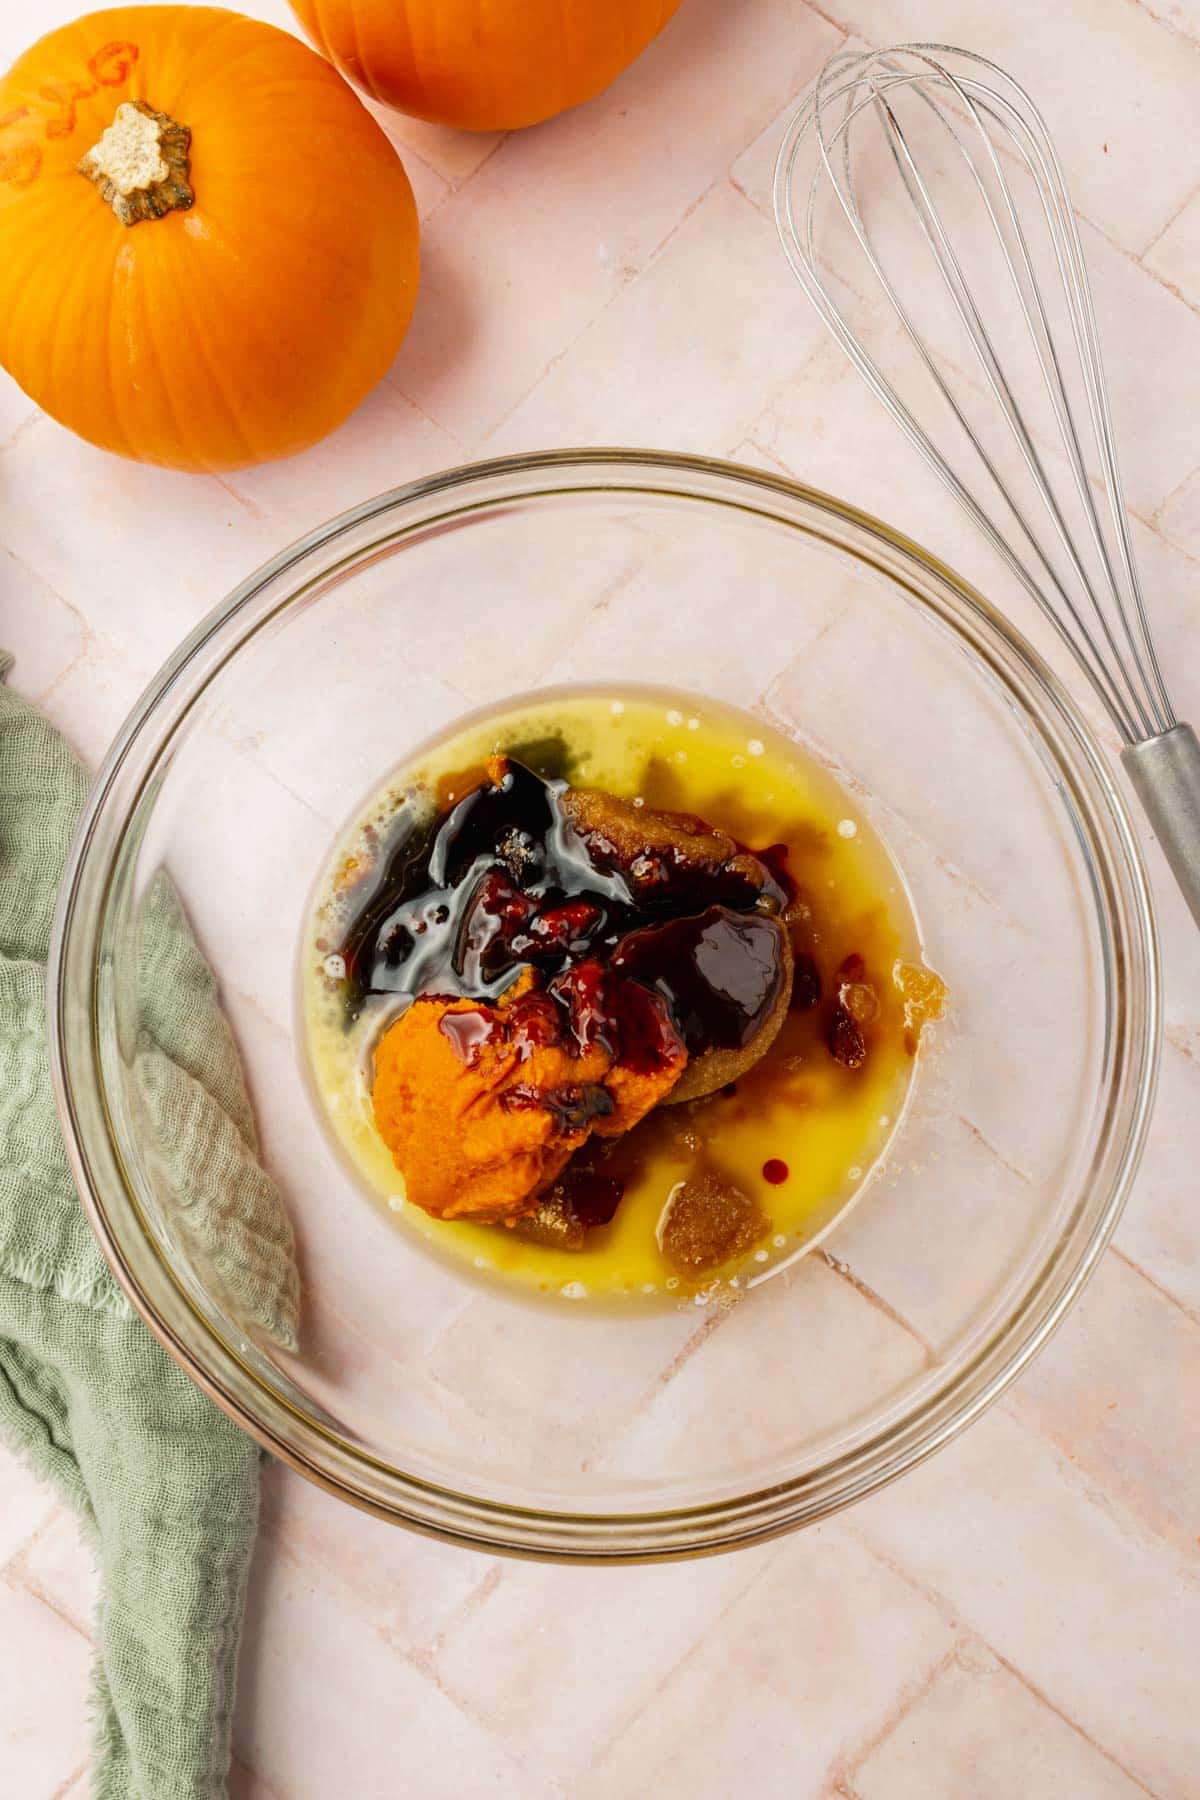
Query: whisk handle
{"points": [[1165, 772]]}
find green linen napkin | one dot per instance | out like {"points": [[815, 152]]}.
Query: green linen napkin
{"points": [[165, 1485]]}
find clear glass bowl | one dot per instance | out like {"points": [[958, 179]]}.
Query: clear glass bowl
{"points": [[461, 1410]]}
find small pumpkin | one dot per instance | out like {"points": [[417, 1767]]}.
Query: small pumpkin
{"points": [[208, 248], [486, 65]]}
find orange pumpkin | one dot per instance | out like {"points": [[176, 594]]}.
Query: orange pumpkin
{"points": [[208, 248], [488, 65]]}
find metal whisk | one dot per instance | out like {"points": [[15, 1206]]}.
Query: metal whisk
{"points": [[926, 173]]}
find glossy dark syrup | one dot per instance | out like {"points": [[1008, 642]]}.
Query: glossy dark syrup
{"points": [[719, 971], [632, 954]]}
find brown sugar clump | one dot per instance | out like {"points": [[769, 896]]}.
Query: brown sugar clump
{"points": [[856, 1004], [924, 994], [669, 854], [552, 1223], [631, 836], [709, 1222]]}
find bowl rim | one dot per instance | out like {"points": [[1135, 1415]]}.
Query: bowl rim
{"points": [[76, 985]]}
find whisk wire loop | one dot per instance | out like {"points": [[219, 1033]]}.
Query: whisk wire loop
{"points": [[1084, 581], [914, 431], [1045, 350]]}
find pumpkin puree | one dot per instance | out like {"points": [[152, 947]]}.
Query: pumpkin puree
{"points": [[510, 1112]]}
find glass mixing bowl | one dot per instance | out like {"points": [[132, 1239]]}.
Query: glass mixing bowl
{"points": [[463, 1410]]}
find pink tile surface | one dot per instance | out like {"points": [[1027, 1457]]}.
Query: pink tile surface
{"points": [[43, 1733], [328, 1706], [1175, 256], [1017, 1618], [25, 1506], [980, 1730], [58, 1567], [1179, 516], [557, 1662], [821, 1645], [1126, 1422], [1047, 1566]]}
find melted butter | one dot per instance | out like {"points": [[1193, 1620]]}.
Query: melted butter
{"points": [[827, 1125]]}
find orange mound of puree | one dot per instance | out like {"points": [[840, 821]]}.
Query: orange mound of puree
{"points": [[482, 1107]]}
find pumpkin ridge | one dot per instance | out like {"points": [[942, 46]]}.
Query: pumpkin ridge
{"points": [[214, 367], [224, 252], [566, 61], [346, 260], [265, 44], [358, 54], [180, 421], [414, 48], [483, 65], [346, 265], [110, 363], [19, 326]]}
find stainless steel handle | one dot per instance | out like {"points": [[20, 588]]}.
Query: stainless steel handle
{"points": [[1166, 774]]}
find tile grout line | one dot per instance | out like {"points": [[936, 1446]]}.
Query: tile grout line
{"points": [[767, 455], [1173, 495], [767, 709], [15, 1571], [687, 1656], [847, 1789], [254, 1003], [625, 284], [462, 1615], [1044, 1699], [1166, 24], [969, 1633], [772, 393], [631, 280], [235, 494], [1162, 281], [1174, 218], [855, 1531], [819, 12], [404, 149], [843, 1769], [662, 1380], [245, 746], [16, 1580], [69, 1783], [21, 428], [1089, 1485], [1074, 1478], [429, 1672], [87, 635], [420, 1659], [1134, 257], [458, 187], [82, 661], [1148, 520], [394, 390], [1172, 1300], [845, 1272]]}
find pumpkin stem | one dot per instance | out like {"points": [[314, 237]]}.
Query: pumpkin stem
{"points": [[140, 164]]}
